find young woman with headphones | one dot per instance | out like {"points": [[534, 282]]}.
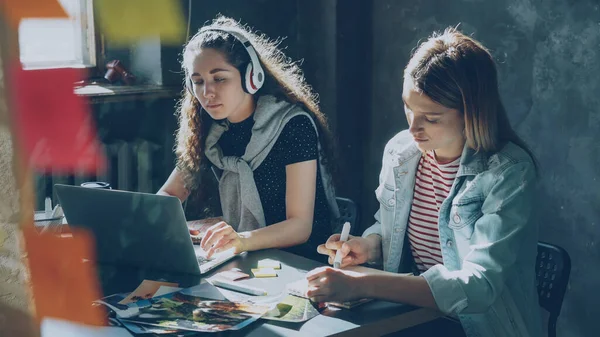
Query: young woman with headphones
{"points": [[249, 113]]}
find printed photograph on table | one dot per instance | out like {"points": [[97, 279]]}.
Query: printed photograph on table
{"points": [[121, 310], [114, 301], [149, 329], [122, 304], [143, 329], [183, 311], [292, 309], [147, 289]]}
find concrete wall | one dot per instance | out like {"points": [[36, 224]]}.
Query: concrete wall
{"points": [[548, 55], [354, 53]]}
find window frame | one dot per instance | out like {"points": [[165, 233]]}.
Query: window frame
{"points": [[89, 35]]}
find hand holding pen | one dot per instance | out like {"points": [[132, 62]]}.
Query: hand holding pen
{"points": [[337, 260], [354, 251]]}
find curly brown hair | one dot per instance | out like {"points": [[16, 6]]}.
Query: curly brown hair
{"points": [[283, 79]]}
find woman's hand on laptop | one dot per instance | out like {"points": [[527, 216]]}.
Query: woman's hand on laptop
{"points": [[221, 237]]}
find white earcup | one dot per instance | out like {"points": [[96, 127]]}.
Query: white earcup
{"points": [[251, 88]]}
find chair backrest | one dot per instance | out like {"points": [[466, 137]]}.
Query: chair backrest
{"points": [[348, 212], [553, 267]]}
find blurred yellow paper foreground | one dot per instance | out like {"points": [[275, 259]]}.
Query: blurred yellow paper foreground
{"points": [[125, 22]]}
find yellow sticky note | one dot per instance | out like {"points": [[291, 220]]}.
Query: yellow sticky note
{"points": [[16, 10], [269, 263], [125, 22], [264, 272]]}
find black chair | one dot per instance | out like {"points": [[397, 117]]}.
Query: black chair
{"points": [[553, 267], [348, 212]]}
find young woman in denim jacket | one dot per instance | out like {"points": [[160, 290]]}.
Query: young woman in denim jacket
{"points": [[486, 241]]}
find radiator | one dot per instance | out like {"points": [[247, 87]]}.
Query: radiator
{"points": [[130, 166]]}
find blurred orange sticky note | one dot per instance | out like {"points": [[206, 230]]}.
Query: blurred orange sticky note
{"points": [[125, 22], [53, 125], [15, 10], [63, 285]]}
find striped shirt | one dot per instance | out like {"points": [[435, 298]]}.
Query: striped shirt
{"points": [[432, 185]]}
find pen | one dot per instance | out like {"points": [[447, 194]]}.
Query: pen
{"points": [[238, 287], [343, 237]]}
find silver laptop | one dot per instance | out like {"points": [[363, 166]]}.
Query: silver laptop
{"points": [[136, 229]]}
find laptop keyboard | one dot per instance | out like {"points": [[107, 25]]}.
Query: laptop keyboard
{"points": [[203, 259]]}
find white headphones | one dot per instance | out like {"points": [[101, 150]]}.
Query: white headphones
{"points": [[254, 78]]}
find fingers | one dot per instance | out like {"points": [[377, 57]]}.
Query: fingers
{"points": [[213, 234], [333, 242], [345, 248], [209, 233], [317, 294], [320, 284], [344, 252], [222, 245], [316, 273], [348, 261], [353, 252], [227, 239], [317, 288], [217, 247], [321, 249]]}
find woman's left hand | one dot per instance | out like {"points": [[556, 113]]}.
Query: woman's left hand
{"points": [[326, 284], [221, 237]]}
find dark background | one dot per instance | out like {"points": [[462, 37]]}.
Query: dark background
{"points": [[354, 52]]}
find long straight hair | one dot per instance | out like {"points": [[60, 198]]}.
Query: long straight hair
{"points": [[458, 72]]}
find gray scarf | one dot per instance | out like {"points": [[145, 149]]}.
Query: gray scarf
{"points": [[240, 201]]}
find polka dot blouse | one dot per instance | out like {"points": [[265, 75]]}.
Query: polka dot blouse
{"points": [[296, 143]]}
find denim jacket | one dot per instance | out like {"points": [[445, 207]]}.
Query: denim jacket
{"points": [[487, 238]]}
